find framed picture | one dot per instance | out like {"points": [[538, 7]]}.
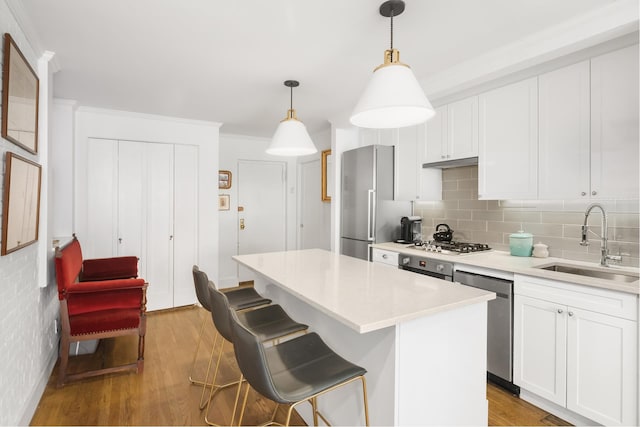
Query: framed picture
{"points": [[19, 98], [21, 204], [224, 180], [223, 202], [327, 168]]}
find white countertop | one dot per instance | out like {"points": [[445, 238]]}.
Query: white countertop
{"points": [[503, 261], [363, 295]]}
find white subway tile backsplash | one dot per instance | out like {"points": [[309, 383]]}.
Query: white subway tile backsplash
{"points": [[556, 223]]}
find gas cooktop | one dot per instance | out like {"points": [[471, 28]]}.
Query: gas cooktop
{"points": [[452, 247]]}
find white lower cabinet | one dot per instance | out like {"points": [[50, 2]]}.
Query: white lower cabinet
{"points": [[576, 346], [381, 256]]}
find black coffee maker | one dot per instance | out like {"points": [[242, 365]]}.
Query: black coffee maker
{"points": [[410, 229]]}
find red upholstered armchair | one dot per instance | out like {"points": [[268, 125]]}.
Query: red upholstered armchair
{"points": [[99, 298]]}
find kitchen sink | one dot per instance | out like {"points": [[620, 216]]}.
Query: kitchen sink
{"points": [[599, 273]]}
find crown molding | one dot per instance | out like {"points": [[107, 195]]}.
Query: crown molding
{"points": [[22, 18], [146, 116]]}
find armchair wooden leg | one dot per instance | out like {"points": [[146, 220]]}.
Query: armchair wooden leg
{"points": [[64, 359]]}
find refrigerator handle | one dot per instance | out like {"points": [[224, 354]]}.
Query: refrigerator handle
{"points": [[371, 215]]}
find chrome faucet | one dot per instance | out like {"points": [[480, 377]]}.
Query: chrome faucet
{"points": [[604, 251]]}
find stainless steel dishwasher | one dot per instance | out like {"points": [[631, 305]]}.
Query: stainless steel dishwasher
{"points": [[499, 326]]}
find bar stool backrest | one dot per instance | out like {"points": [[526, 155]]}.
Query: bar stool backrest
{"points": [[220, 310], [201, 282], [252, 360]]}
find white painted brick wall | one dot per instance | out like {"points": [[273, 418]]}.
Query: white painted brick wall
{"points": [[28, 344]]}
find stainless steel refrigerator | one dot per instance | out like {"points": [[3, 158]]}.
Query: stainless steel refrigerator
{"points": [[369, 213]]}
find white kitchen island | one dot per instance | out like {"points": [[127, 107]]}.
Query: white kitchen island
{"points": [[422, 340]]}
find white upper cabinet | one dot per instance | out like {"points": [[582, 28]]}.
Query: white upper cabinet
{"points": [[462, 118], [614, 124], [508, 144], [588, 145], [564, 153], [412, 181], [453, 133], [437, 136]]}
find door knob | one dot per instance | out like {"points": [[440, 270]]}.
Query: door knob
{"points": [[242, 224], [120, 240]]}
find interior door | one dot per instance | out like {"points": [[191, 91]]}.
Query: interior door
{"points": [[314, 214], [262, 213]]}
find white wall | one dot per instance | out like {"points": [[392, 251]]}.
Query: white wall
{"points": [[119, 125], [232, 149], [28, 341], [61, 167]]}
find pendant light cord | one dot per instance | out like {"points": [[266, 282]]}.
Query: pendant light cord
{"points": [[391, 29], [291, 99]]}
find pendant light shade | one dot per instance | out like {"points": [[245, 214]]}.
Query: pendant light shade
{"points": [[393, 97], [291, 137]]}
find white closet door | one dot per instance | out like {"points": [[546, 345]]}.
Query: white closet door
{"points": [[102, 209], [158, 253], [131, 198], [185, 231]]}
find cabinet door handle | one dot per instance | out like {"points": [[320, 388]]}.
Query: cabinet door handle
{"points": [[571, 313], [384, 256], [120, 240], [594, 192], [559, 311], [584, 193]]}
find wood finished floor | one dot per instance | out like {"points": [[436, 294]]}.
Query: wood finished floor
{"points": [[162, 394]]}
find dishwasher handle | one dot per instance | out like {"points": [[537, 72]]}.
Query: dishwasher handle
{"points": [[502, 288]]}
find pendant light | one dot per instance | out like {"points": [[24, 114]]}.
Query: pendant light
{"points": [[393, 98], [291, 137]]}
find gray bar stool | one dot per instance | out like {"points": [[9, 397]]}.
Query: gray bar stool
{"points": [[269, 323], [292, 372], [239, 298]]}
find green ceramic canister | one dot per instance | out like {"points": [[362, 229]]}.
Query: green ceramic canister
{"points": [[521, 243]]}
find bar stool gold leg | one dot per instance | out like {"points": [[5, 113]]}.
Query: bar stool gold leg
{"points": [[206, 383], [314, 406], [195, 355], [366, 400], [205, 403]]}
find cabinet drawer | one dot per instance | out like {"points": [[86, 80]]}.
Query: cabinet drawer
{"points": [[385, 257], [613, 303]]}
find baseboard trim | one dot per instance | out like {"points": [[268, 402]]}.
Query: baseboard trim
{"points": [[556, 410], [30, 406]]}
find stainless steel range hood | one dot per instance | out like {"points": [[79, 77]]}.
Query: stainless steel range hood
{"points": [[446, 164]]}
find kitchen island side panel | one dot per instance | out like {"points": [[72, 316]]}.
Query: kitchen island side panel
{"points": [[441, 365], [419, 372], [375, 351]]}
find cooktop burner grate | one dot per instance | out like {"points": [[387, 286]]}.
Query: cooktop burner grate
{"points": [[455, 247]]}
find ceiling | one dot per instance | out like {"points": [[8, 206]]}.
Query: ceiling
{"points": [[226, 61]]}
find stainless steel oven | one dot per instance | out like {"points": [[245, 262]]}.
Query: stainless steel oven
{"points": [[427, 266]]}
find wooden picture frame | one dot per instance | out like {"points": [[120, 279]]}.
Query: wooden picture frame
{"points": [[325, 179], [20, 86], [224, 202], [20, 203], [224, 179]]}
